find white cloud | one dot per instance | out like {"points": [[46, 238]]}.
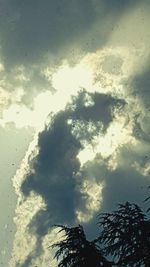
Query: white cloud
{"points": [[93, 191]]}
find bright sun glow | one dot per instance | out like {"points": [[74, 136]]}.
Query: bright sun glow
{"points": [[67, 81], [24, 117]]}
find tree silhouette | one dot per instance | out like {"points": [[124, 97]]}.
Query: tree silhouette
{"points": [[125, 235], [76, 251], [147, 199]]}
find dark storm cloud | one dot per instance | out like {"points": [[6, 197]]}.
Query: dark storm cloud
{"points": [[53, 176], [55, 170], [55, 173], [30, 30]]}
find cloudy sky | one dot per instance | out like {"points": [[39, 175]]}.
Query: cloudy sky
{"points": [[74, 118]]}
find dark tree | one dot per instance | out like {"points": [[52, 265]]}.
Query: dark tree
{"points": [[125, 235], [147, 199], [76, 251]]}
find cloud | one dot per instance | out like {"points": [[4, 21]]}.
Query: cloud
{"points": [[38, 35], [35, 28], [127, 182], [137, 91], [56, 166], [101, 110], [20, 85], [94, 152], [55, 173], [35, 35], [31, 30], [140, 84]]}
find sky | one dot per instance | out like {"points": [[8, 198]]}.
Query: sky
{"points": [[74, 118]]}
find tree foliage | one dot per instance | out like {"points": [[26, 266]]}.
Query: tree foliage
{"points": [[125, 235], [124, 238], [76, 251]]}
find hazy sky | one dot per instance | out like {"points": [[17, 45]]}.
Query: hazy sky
{"points": [[74, 117]]}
